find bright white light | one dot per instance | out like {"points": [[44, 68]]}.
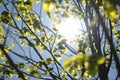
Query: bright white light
{"points": [[70, 28]]}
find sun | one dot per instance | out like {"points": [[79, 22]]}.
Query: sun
{"points": [[70, 28]]}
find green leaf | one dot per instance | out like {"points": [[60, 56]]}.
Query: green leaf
{"points": [[12, 44], [22, 42], [41, 48], [81, 0], [31, 68], [35, 73], [2, 56], [92, 69], [9, 73], [48, 6], [100, 60], [58, 57], [48, 70], [74, 60], [0, 2], [67, 62], [29, 2], [20, 64], [49, 61], [18, 17], [86, 75], [63, 73], [39, 64], [5, 16], [37, 1], [111, 10], [1, 33]]}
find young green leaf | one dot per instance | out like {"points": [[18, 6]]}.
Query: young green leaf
{"points": [[31, 68], [100, 60]]}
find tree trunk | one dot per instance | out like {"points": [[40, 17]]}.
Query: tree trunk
{"points": [[102, 72]]}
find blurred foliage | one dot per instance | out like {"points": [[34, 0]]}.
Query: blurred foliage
{"points": [[28, 30]]}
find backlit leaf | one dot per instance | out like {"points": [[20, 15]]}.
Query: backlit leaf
{"points": [[111, 10], [9, 73], [5, 16], [31, 68], [48, 6], [1, 33], [21, 42], [74, 60], [67, 63], [100, 60], [18, 17], [0, 2], [48, 70], [58, 57], [49, 60], [37, 1], [2, 56], [35, 73]]}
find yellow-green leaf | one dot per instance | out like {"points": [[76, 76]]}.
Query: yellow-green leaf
{"points": [[41, 48], [48, 6], [5, 16], [31, 1], [100, 60], [1, 33], [37, 1], [111, 10], [2, 56], [67, 63], [0, 2], [31, 68], [21, 42], [35, 73], [18, 17], [58, 57], [74, 60]]}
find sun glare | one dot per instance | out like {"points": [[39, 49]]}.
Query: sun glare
{"points": [[70, 28]]}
